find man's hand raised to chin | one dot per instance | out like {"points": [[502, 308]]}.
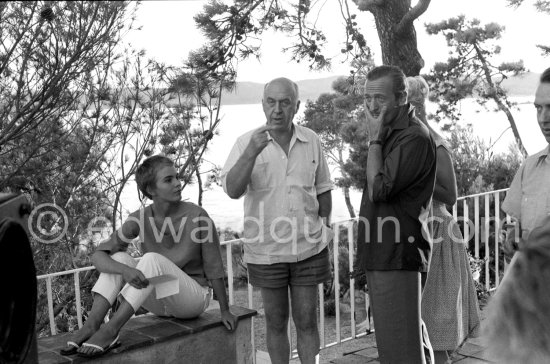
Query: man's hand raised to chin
{"points": [[259, 140], [375, 125]]}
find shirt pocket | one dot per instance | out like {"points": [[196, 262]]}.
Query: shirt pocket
{"points": [[534, 209], [259, 179], [306, 174]]}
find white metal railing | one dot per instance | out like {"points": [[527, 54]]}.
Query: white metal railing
{"points": [[481, 234], [48, 279], [482, 229]]}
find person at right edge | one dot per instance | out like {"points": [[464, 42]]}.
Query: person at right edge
{"points": [[528, 199], [393, 246], [449, 302]]}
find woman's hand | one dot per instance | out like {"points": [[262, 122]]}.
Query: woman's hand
{"points": [[229, 320], [135, 278]]}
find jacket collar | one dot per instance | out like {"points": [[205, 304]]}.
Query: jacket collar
{"points": [[402, 120]]}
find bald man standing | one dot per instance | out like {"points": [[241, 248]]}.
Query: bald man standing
{"points": [[281, 171]]}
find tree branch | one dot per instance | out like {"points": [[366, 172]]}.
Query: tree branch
{"points": [[368, 5], [414, 13]]}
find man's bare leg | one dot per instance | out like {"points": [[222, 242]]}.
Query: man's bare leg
{"points": [[275, 302], [304, 313]]}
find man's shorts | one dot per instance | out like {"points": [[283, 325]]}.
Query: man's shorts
{"points": [[308, 272]]}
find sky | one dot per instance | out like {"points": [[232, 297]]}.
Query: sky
{"points": [[168, 34]]}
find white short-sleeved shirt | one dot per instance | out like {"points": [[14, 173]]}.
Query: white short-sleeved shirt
{"points": [[528, 199], [281, 211]]}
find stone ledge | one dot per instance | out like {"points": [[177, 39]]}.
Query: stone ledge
{"points": [[142, 333]]}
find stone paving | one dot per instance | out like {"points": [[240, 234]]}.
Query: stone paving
{"points": [[472, 352], [363, 350]]}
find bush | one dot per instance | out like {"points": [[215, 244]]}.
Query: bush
{"points": [[476, 167], [479, 170]]}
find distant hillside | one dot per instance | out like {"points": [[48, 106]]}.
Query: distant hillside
{"points": [[522, 85], [251, 92]]}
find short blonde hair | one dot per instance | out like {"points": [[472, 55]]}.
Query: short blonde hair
{"points": [[418, 90], [146, 173]]}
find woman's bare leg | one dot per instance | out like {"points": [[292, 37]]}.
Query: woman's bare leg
{"points": [[100, 306], [108, 331]]}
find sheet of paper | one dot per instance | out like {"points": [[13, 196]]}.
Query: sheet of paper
{"points": [[165, 285]]}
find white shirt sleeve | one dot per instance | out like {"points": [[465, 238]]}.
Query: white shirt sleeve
{"points": [[232, 159], [512, 202]]}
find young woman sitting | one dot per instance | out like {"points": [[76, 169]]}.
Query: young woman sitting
{"points": [[177, 238]]}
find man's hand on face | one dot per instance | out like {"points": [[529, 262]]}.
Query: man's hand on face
{"points": [[375, 125], [259, 140]]}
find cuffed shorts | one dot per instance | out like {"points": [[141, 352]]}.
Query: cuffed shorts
{"points": [[308, 272]]}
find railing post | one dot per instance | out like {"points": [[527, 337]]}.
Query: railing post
{"points": [[335, 254], [351, 280], [466, 217], [251, 306], [321, 315], [487, 253], [230, 273], [476, 225], [497, 230], [77, 298], [50, 305]]}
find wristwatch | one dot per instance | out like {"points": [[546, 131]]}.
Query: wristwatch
{"points": [[373, 142]]}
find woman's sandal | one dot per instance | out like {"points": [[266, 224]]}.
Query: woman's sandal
{"points": [[72, 348], [100, 351]]}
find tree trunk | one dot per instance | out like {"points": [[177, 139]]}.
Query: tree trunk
{"points": [[348, 203], [199, 182], [397, 35], [512, 122], [499, 102], [346, 188]]}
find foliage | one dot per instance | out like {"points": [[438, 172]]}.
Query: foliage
{"points": [[49, 51], [469, 71], [479, 170], [194, 106], [79, 111], [240, 271], [356, 135], [55, 61], [328, 116], [338, 118], [234, 31], [476, 266], [542, 6], [344, 277], [476, 167]]}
